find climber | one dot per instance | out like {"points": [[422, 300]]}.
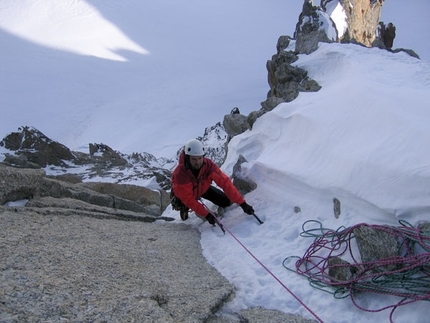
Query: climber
{"points": [[192, 179]]}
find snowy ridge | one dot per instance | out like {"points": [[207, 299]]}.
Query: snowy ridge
{"points": [[350, 145], [360, 139]]}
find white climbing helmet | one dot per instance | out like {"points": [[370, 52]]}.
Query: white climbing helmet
{"points": [[194, 148]]}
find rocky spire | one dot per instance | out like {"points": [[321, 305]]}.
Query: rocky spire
{"points": [[342, 21]]}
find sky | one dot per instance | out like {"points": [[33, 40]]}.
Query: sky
{"points": [[148, 77], [117, 70]]}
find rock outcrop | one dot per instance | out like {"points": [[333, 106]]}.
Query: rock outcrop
{"points": [[73, 268], [30, 148], [235, 123], [285, 80], [243, 184], [344, 21], [314, 26], [35, 150], [215, 138], [33, 185], [77, 253]]}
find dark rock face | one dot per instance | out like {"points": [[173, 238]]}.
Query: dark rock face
{"points": [[309, 29], [285, 80], [32, 149], [37, 148], [103, 154]]}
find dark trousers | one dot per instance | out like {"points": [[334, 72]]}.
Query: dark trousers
{"points": [[217, 197]]}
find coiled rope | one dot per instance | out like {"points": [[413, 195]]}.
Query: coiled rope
{"points": [[406, 275]]}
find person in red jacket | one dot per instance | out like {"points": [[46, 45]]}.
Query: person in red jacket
{"points": [[192, 179]]}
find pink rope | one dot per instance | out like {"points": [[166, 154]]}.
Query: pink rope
{"points": [[270, 272], [376, 276], [261, 264]]}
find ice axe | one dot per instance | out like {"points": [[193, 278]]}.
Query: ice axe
{"points": [[219, 224], [258, 219], [217, 221]]}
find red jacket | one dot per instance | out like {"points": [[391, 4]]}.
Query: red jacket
{"points": [[189, 189]]}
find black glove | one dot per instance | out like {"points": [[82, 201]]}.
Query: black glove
{"points": [[248, 209], [210, 218]]}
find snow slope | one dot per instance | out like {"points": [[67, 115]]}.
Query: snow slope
{"points": [[360, 139]]}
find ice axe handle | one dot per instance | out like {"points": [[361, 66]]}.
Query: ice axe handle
{"points": [[258, 219], [218, 222], [221, 227]]}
